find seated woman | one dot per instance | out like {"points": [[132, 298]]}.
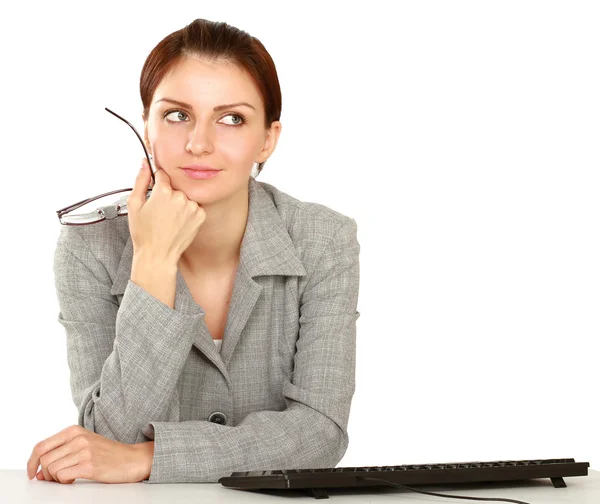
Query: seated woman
{"points": [[210, 257]]}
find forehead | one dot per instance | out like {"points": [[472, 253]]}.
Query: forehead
{"points": [[204, 83]]}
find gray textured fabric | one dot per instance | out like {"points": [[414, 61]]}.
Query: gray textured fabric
{"points": [[285, 375]]}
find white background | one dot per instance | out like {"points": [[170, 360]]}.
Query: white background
{"points": [[463, 138]]}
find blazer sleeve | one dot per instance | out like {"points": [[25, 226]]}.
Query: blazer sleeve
{"points": [[124, 360], [311, 432]]}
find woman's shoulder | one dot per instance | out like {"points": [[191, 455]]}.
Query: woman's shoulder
{"points": [[294, 211], [103, 241], [311, 225]]}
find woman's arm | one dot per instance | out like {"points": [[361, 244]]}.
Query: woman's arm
{"points": [[124, 360]]}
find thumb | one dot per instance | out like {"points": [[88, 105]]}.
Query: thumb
{"points": [[140, 188]]}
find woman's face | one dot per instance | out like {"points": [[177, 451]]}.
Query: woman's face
{"points": [[231, 139]]}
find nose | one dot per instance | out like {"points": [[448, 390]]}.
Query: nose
{"points": [[201, 139]]}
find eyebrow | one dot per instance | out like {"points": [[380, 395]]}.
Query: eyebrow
{"points": [[216, 109]]}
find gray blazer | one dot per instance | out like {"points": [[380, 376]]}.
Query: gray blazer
{"points": [[278, 394]]}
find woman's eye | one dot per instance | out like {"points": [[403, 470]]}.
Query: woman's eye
{"points": [[179, 114], [240, 119]]}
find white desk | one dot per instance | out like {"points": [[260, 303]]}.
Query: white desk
{"points": [[15, 488]]}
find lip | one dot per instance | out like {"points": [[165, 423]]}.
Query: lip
{"points": [[199, 167], [201, 174]]}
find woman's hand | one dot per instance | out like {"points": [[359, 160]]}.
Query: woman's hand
{"points": [[76, 452], [167, 223]]}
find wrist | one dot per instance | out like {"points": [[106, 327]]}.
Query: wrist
{"points": [[144, 457], [157, 277], [152, 268], [152, 260]]}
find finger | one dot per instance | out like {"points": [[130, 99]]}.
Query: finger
{"points": [[162, 178], [47, 475], [61, 457], [33, 463], [57, 468], [45, 446], [152, 180], [69, 474], [40, 475], [138, 194], [163, 182], [39, 450]]}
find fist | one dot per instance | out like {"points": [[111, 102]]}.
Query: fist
{"points": [[167, 222]]}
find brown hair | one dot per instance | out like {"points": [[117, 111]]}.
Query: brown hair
{"points": [[214, 41]]}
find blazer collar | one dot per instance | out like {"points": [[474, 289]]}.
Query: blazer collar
{"points": [[266, 249]]}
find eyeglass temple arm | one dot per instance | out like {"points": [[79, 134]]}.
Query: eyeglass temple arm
{"points": [[81, 203], [150, 164]]}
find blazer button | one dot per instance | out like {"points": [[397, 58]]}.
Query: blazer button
{"points": [[217, 417]]}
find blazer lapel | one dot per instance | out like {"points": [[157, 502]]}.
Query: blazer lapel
{"points": [[266, 249]]}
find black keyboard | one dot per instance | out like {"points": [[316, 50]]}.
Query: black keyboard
{"points": [[316, 480]]}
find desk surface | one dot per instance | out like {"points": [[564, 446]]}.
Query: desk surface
{"points": [[16, 488]]}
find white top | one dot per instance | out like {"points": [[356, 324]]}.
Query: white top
{"points": [[218, 343]]}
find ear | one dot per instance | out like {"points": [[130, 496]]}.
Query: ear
{"points": [[272, 136], [146, 141]]}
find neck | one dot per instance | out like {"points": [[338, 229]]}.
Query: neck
{"points": [[216, 247]]}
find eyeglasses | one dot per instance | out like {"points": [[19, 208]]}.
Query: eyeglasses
{"points": [[109, 207]]}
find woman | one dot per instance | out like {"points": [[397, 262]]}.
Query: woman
{"points": [[210, 256]]}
